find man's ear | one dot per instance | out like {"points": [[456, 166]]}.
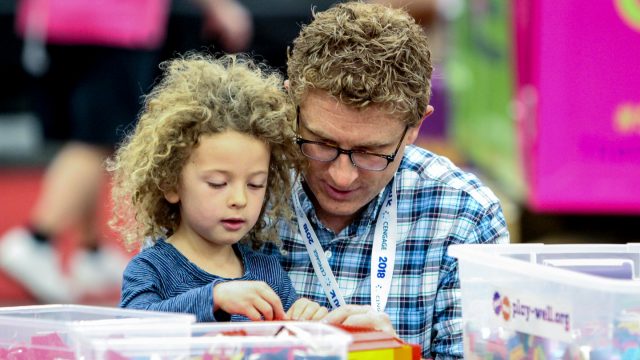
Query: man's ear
{"points": [[414, 131], [286, 84]]}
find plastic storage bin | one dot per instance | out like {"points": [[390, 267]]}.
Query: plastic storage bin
{"points": [[65, 331], [257, 340], [528, 301]]}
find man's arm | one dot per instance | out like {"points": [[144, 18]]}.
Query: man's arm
{"points": [[446, 331], [447, 322]]}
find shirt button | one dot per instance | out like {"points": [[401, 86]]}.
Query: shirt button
{"points": [[327, 254]]}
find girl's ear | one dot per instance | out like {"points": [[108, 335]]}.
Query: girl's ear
{"points": [[172, 196]]}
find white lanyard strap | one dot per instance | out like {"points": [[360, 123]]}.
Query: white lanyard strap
{"points": [[382, 254], [318, 259]]}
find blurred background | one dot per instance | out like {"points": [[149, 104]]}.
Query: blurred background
{"points": [[538, 98]]}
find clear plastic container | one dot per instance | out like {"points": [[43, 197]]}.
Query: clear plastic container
{"points": [[247, 340], [66, 331], [535, 301]]}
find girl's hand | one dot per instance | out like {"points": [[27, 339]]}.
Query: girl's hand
{"points": [[305, 309], [253, 299]]}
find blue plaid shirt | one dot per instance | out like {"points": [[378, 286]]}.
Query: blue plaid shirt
{"points": [[438, 205]]}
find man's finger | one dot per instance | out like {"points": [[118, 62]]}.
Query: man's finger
{"points": [[371, 320], [339, 315]]}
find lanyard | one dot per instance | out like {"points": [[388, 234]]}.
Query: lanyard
{"points": [[382, 255]]}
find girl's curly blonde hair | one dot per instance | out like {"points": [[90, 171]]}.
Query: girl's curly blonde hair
{"points": [[200, 94], [364, 54]]}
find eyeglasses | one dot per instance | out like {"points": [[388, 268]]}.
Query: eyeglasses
{"points": [[321, 151]]}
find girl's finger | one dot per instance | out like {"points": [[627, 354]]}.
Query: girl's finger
{"points": [[298, 308], [267, 293], [264, 308], [309, 311], [320, 313]]}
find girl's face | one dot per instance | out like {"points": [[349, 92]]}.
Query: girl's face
{"points": [[222, 188]]}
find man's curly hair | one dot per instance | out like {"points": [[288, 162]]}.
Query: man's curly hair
{"points": [[364, 54], [198, 95]]}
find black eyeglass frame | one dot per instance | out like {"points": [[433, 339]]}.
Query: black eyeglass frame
{"points": [[390, 158]]}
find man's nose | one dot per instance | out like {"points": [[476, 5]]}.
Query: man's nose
{"points": [[342, 171]]}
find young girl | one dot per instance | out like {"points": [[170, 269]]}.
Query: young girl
{"points": [[214, 145]]}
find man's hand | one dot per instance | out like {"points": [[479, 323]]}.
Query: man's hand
{"points": [[253, 299], [360, 316], [305, 309]]}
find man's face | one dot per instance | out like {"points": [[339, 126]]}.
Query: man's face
{"points": [[340, 189]]}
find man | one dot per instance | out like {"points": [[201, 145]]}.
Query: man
{"points": [[375, 213]]}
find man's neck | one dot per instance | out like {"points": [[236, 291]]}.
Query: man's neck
{"points": [[336, 223], [333, 222]]}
